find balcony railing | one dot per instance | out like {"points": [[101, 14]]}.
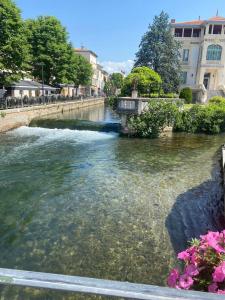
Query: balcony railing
{"points": [[124, 290]]}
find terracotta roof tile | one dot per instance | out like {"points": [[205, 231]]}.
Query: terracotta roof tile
{"points": [[200, 22]]}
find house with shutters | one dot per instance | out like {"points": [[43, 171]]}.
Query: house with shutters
{"points": [[202, 56]]}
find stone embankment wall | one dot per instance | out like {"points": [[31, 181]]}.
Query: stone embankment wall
{"points": [[13, 118]]}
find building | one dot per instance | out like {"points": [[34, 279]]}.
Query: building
{"points": [[29, 88], [99, 75], [202, 56]]}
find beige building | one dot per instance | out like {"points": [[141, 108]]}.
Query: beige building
{"points": [[202, 56], [99, 75]]}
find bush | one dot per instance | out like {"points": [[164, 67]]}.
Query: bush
{"points": [[217, 100], [204, 265], [208, 119], [152, 122], [186, 94]]}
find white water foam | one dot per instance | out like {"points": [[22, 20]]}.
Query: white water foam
{"points": [[45, 135]]}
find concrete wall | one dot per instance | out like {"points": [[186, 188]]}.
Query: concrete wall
{"points": [[13, 118]]}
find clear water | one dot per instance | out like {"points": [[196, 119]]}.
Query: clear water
{"points": [[94, 204]]}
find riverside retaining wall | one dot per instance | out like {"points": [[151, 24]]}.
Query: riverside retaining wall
{"points": [[13, 118]]}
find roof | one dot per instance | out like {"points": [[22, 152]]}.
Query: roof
{"points": [[30, 84], [84, 50], [201, 22]]}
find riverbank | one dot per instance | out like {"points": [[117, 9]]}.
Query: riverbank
{"points": [[14, 118]]}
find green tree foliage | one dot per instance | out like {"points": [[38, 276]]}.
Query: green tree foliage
{"points": [[49, 44], [142, 79], [13, 43], [186, 94], [153, 121], [117, 80], [114, 83], [159, 51], [79, 71]]}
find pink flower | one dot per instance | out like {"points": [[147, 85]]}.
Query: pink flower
{"points": [[185, 282], [183, 255], [213, 239], [173, 277], [191, 270], [212, 288], [219, 273], [221, 292]]}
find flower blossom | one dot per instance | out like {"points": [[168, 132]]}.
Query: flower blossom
{"points": [[173, 277], [183, 255], [212, 288], [219, 273], [191, 270], [185, 282]]}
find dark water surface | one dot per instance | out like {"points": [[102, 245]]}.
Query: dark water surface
{"points": [[93, 204]]}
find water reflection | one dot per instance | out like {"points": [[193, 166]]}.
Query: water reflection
{"points": [[93, 204]]}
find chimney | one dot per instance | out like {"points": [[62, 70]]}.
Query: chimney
{"points": [[173, 21]]}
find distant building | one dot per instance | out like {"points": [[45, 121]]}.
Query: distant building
{"points": [[202, 55], [29, 88], [99, 75]]}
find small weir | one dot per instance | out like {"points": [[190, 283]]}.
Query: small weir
{"points": [[78, 199], [77, 124]]}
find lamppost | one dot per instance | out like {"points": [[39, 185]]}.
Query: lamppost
{"points": [[41, 64]]}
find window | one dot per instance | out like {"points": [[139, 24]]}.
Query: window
{"points": [[183, 77], [187, 32], [178, 32], [217, 29], [196, 32], [214, 52], [185, 55]]}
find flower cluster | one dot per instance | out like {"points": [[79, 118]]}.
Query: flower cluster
{"points": [[204, 265]]}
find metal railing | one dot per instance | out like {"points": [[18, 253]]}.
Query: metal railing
{"points": [[93, 286], [12, 102]]}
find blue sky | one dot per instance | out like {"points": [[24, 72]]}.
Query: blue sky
{"points": [[113, 28]]}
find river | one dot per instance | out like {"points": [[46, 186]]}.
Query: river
{"points": [[91, 203]]}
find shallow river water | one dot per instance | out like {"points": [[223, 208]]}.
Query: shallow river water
{"points": [[94, 204]]}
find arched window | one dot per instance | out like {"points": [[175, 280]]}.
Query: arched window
{"points": [[214, 52]]}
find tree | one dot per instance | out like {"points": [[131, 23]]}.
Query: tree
{"points": [[13, 44], [117, 80], [82, 70], [114, 83], [142, 79], [49, 44], [160, 51]]}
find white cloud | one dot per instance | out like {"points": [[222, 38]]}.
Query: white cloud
{"points": [[118, 66]]}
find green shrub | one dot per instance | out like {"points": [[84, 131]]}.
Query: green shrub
{"points": [[152, 122], [208, 119], [217, 100], [186, 94]]}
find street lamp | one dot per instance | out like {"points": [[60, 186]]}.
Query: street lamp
{"points": [[41, 64]]}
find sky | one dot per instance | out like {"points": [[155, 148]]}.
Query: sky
{"points": [[113, 28]]}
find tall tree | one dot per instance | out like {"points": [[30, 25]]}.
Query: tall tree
{"points": [[13, 43], [160, 51], [114, 83], [49, 44], [117, 80], [81, 70]]}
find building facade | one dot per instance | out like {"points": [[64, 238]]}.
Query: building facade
{"points": [[99, 75], [202, 56]]}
